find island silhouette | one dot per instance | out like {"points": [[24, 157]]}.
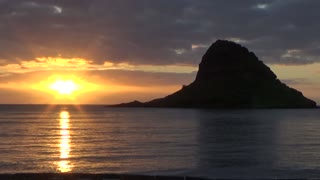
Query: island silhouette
{"points": [[230, 76]]}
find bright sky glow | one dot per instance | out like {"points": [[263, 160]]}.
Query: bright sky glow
{"points": [[77, 64], [65, 87], [73, 85], [101, 56]]}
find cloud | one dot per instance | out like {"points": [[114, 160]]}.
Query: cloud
{"points": [[78, 64], [296, 81], [110, 86], [113, 77], [156, 32]]}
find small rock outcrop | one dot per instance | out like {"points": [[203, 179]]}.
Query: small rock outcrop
{"points": [[230, 76]]}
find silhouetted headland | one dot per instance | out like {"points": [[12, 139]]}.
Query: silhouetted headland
{"points": [[230, 76]]}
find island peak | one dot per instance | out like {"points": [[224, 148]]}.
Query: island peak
{"points": [[230, 76]]}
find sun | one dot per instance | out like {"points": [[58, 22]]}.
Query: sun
{"points": [[64, 87]]}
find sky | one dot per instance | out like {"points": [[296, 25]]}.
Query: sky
{"points": [[112, 51]]}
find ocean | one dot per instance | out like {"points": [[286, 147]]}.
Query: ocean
{"points": [[270, 143]]}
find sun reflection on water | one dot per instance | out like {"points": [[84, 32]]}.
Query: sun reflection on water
{"points": [[64, 165]]}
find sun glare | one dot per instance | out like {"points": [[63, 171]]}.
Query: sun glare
{"points": [[64, 87]]}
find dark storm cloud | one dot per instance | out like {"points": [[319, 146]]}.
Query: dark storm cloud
{"points": [[158, 31]]}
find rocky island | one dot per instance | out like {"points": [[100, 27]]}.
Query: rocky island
{"points": [[230, 76]]}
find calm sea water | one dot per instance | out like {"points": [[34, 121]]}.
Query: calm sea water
{"points": [[204, 143]]}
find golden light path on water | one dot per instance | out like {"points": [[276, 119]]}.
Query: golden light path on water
{"points": [[64, 165]]}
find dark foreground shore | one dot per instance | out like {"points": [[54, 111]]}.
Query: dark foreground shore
{"points": [[80, 176]]}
